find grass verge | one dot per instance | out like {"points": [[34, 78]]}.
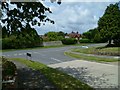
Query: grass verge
{"points": [[111, 51], [58, 78], [90, 58]]}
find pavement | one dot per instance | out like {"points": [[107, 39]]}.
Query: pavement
{"points": [[95, 74]]}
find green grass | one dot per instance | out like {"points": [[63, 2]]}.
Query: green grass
{"points": [[91, 58], [110, 49], [95, 50], [58, 78], [84, 50]]}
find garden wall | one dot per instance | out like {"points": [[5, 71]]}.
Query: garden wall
{"points": [[52, 43]]}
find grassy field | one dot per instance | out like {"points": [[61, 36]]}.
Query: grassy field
{"points": [[95, 50], [112, 51], [58, 78], [91, 58], [84, 50]]}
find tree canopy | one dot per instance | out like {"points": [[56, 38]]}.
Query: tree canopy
{"points": [[108, 27], [24, 15], [54, 36], [17, 23], [109, 23]]}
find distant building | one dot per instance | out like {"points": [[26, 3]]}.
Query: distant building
{"points": [[73, 35]]}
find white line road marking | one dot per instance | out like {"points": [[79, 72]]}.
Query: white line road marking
{"points": [[20, 54], [56, 59], [15, 54], [117, 57], [24, 53], [39, 53]]}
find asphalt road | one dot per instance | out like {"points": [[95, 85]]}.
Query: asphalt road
{"points": [[46, 56], [95, 74]]}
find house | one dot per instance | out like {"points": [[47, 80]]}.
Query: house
{"points": [[73, 35]]}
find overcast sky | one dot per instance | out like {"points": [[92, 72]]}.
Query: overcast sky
{"points": [[74, 16]]}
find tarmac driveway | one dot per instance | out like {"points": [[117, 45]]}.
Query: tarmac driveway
{"points": [[97, 75]]}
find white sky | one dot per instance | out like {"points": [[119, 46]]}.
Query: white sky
{"points": [[74, 16]]}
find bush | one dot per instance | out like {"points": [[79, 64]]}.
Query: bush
{"points": [[85, 41], [16, 42], [8, 68], [6, 43], [69, 41], [116, 42]]}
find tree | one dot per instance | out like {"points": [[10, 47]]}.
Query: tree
{"points": [[109, 23], [60, 33], [26, 15], [54, 36], [18, 22]]}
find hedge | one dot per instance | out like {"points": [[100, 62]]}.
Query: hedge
{"points": [[69, 41], [85, 41]]}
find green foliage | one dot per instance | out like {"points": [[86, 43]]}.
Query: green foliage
{"points": [[23, 40], [29, 11], [54, 36], [8, 68], [90, 34], [98, 39], [116, 42], [109, 23], [69, 41], [108, 27], [93, 35], [85, 40], [15, 34], [6, 43]]}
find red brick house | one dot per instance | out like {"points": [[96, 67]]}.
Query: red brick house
{"points": [[73, 35]]}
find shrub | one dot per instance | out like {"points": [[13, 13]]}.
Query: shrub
{"points": [[8, 68], [116, 42], [85, 41], [16, 42], [6, 43], [69, 41]]}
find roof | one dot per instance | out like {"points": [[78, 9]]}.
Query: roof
{"points": [[74, 35]]}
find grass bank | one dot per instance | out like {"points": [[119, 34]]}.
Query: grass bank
{"points": [[58, 78], [110, 51], [91, 58]]}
